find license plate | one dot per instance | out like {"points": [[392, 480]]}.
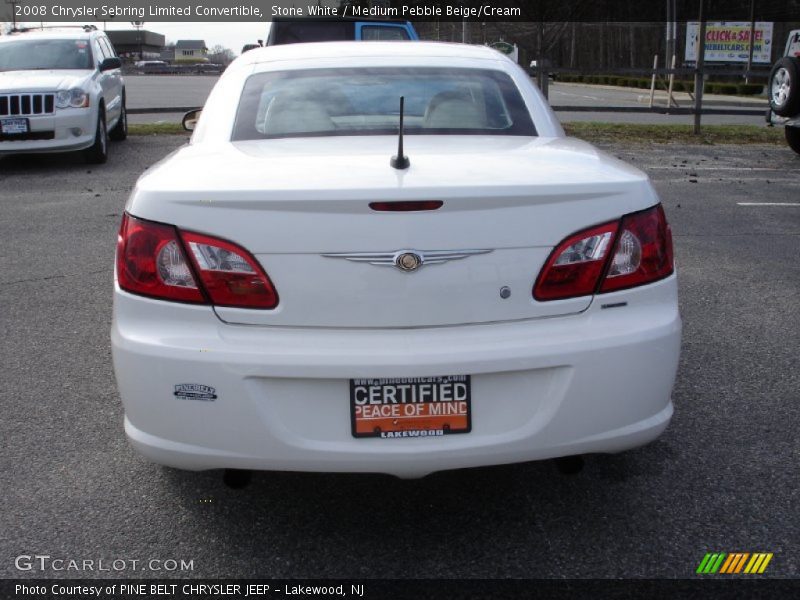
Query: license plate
{"points": [[410, 407], [13, 126]]}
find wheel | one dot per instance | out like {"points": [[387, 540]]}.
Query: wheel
{"points": [[120, 131], [793, 138], [784, 87], [97, 153]]}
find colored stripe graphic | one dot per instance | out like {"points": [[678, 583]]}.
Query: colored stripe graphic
{"points": [[755, 562], [759, 562], [731, 560], [764, 564], [711, 562], [741, 562], [703, 563], [733, 563], [718, 564]]}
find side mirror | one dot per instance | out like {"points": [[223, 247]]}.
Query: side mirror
{"points": [[189, 121], [110, 63]]}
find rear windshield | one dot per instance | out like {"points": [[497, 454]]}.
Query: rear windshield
{"points": [[24, 54], [366, 101]]}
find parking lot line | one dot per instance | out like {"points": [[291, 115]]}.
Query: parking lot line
{"points": [[768, 203]]}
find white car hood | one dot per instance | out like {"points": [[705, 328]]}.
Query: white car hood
{"points": [[42, 81]]}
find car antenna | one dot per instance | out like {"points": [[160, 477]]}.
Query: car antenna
{"points": [[400, 161]]}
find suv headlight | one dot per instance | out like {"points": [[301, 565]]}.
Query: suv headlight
{"points": [[75, 98]]}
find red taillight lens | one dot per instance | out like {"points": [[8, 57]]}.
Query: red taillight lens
{"points": [[230, 275], [152, 261], [631, 252], [575, 266], [643, 252]]}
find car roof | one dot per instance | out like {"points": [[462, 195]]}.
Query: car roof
{"points": [[360, 49], [61, 33]]}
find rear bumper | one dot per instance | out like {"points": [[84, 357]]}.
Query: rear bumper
{"points": [[596, 382]]}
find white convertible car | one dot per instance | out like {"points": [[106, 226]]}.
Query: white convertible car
{"points": [[304, 288]]}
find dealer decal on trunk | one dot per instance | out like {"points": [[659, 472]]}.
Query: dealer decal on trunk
{"points": [[195, 391]]}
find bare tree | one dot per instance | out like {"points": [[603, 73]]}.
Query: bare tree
{"points": [[221, 55]]}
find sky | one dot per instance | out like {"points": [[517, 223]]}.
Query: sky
{"points": [[232, 35]]}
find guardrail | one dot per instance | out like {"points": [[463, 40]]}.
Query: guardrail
{"points": [[543, 70]]}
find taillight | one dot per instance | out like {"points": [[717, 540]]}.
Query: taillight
{"points": [[229, 274], [575, 266], [609, 257], [152, 261], [643, 252]]}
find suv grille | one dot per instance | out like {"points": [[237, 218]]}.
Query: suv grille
{"points": [[12, 105]]}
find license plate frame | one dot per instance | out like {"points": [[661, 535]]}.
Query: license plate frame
{"points": [[15, 126], [410, 407]]}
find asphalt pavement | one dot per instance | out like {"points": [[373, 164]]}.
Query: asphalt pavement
{"points": [[722, 478]]}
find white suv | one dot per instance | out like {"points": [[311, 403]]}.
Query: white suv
{"points": [[60, 90], [784, 91]]}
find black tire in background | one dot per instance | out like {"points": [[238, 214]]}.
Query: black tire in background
{"points": [[783, 89], [793, 138], [120, 130], [97, 153]]}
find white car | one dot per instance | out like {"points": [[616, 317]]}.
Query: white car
{"points": [[295, 292], [60, 90]]}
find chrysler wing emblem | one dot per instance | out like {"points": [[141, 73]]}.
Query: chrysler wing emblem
{"points": [[407, 260]]}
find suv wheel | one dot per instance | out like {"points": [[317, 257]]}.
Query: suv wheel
{"points": [[120, 131], [793, 138], [97, 153], [784, 87]]}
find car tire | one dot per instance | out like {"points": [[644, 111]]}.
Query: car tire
{"points": [[793, 138], [120, 130], [784, 87], [97, 153]]}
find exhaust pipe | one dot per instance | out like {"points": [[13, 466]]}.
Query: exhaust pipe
{"points": [[569, 465], [237, 478]]}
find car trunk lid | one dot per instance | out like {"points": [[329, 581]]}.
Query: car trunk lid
{"points": [[302, 207]]}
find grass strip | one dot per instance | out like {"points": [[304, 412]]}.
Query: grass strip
{"points": [[156, 129], [674, 134]]}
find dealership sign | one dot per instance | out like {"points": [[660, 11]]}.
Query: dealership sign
{"points": [[509, 50], [729, 42]]}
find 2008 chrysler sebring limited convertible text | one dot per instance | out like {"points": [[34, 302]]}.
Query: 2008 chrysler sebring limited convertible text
{"points": [[295, 290]]}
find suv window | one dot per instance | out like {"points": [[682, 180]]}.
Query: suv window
{"points": [[23, 54], [108, 49], [99, 51], [383, 33]]}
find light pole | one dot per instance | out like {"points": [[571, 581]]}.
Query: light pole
{"points": [[13, 4], [138, 25]]}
